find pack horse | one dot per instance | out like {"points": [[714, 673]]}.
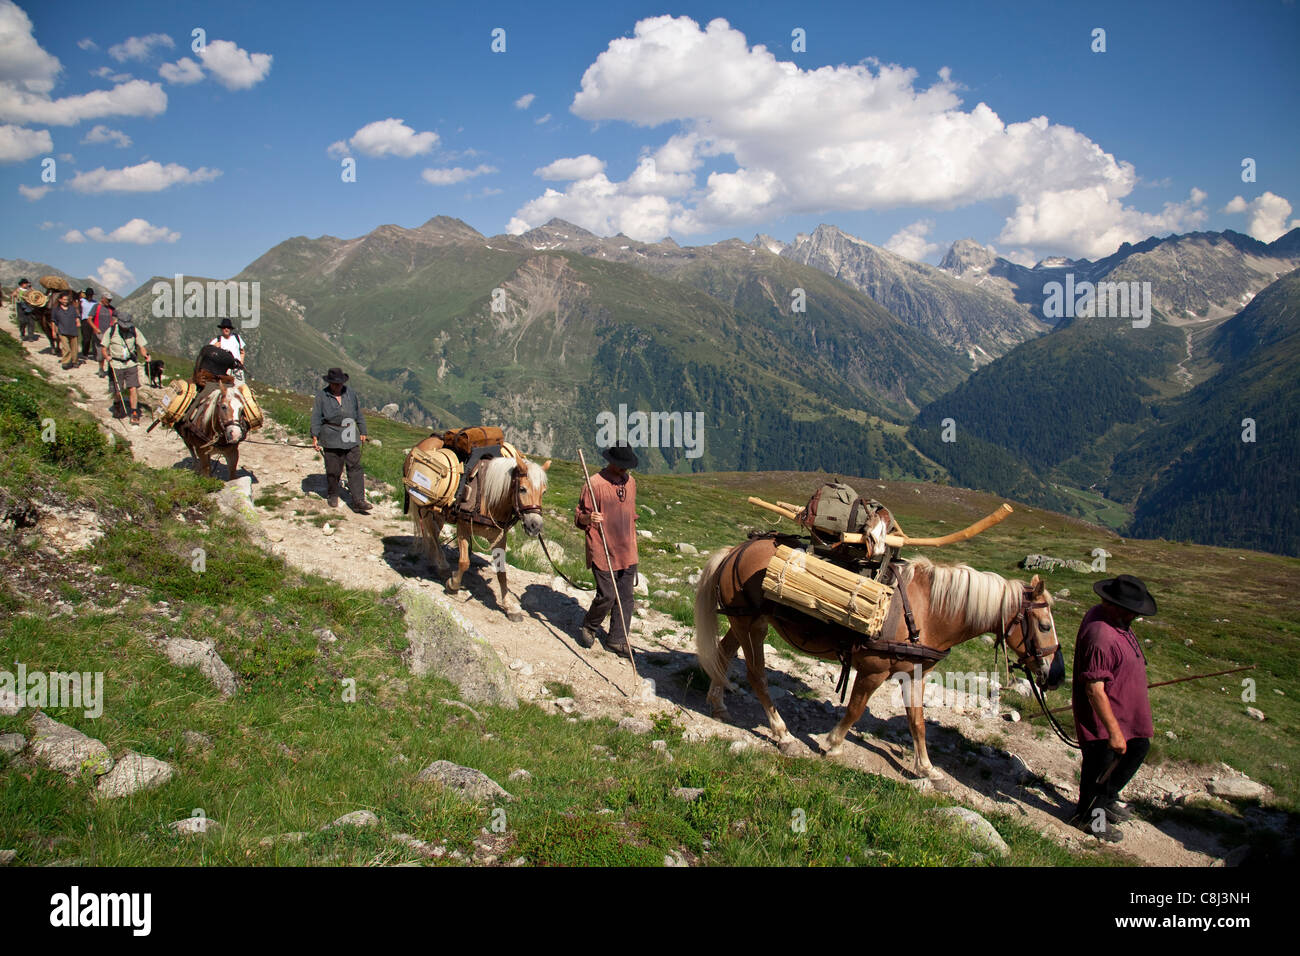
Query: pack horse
{"points": [[475, 479], [923, 610]]}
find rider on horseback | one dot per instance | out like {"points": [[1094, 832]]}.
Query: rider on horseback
{"points": [[211, 370]]}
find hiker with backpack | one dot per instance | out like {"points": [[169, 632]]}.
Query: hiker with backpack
{"points": [[125, 346], [101, 320]]}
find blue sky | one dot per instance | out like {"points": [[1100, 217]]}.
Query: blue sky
{"points": [[683, 126]]}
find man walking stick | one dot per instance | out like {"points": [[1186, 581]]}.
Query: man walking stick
{"points": [[609, 563]]}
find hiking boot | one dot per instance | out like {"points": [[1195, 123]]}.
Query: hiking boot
{"points": [[1117, 812], [618, 645], [362, 507], [1107, 834], [586, 637], [334, 501]]}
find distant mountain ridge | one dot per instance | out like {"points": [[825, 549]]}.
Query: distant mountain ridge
{"points": [[1198, 275]]}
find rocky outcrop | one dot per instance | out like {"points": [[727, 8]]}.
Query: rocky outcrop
{"points": [[202, 656], [442, 642], [67, 749]]}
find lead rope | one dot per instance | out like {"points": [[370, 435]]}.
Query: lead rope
{"points": [[576, 587]]}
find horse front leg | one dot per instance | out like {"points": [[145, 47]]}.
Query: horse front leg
{"points": [[513, 610], [232, 462], [864, 685], [916, 724], [463, 532]]}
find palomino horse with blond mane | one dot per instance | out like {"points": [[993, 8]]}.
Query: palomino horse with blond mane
{"points": [[217, 424], [949, 604], [510, 492]]}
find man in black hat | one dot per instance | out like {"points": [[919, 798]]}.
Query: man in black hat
{"points": [[1112, 710], [230, 340], [337, 430], [614, 512]]}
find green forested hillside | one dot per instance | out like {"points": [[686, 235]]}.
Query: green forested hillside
{"points": [[1202, 481]]}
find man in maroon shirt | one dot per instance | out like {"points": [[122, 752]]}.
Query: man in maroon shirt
{"points": [[614, 512], [1112, 711]]}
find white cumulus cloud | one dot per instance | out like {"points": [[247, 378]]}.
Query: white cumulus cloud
{"points": [[910, 242], [114, 274], [105, 134], [137, 231], [139, 48], [525, 101], [147, 177], [234, 67], [456, 174], [386, 137], [33, 193], [23, 62], [572, 167], [183, 72], [1266, 215], [18, 144], [867, 136]]}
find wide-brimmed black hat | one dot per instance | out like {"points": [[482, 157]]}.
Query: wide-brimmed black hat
{"points": [[225, 324], [125, 320], [1127, 592], [336, 375], [621, 455]]}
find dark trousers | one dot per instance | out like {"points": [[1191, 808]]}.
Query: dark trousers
{"points": [[88, 349], [1098, 758], [26, 324], [335, 461], [603, 603]]}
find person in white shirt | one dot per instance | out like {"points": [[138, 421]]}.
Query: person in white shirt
{"points": [[228, 339]]}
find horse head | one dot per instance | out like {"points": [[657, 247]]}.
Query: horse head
{"points": [[1034, 631], [229, 417], [530, 485]]}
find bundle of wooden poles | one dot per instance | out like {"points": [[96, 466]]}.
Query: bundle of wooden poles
{"points": [[837, 595], [827, 591]]}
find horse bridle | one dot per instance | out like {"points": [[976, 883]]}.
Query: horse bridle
{"points": [[1029, 649], [517, 511]]}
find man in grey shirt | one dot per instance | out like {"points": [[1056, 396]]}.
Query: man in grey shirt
{"points": [[337, 430]]}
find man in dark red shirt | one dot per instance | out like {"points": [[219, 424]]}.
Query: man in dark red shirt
{"points": [[614, 512], [1112, 711]]}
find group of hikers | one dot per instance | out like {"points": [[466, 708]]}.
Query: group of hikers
{"points": [[80, 328]]}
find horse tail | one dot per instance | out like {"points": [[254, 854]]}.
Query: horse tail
{"points": [[707, 647]]}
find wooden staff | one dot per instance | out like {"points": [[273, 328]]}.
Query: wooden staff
{"points": [[609, 563], [898, 540], [1163, 683]]}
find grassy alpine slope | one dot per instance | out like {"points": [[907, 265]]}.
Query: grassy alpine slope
{"points": [[287, 754]]}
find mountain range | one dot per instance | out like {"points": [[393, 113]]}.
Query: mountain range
{"points": [[827, 352]]}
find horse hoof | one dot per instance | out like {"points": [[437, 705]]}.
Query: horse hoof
{"points": [[789, 747], [721, 713], [514, 616], [941, 784]]}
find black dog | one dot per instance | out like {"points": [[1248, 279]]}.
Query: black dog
{"points": [[155, 369]]}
